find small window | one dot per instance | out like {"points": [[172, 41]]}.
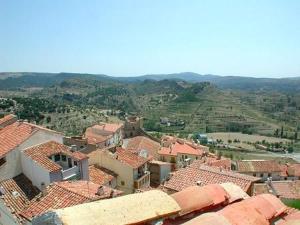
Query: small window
{"points": [[122, 183], [75, 163], [254, 174], [269, 175], [57, 158], [109, 183], [261, 175], [2, 161], [196, 157], [64, 158]]}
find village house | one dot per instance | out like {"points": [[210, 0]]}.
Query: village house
{"points": [[142, 146], [197, 174], [7, 120], [290, 171], [286, 190], [131, 169], [180, 152], [159, 171], [133, 126], [51, 162], [16, 136], [20, 201], [104, 135], [263, 169]]}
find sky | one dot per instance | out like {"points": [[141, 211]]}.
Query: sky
{"points": [[259, 38]]}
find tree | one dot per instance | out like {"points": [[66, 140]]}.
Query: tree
{"points": [[290, 149], [276, 133], [281, 132], [48, 119]]}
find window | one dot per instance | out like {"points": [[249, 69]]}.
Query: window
{"points": [[75, 163], [122, 183], [254, 174], [63, 158], [109, 183], [57, 158], [196, 157], [261, 175], [269, 175], [2, 161]]}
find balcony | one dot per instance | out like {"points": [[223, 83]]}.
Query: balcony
{"points": [[70, 173], [143, 181]]}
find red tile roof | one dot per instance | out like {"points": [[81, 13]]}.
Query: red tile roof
{"points": [[139, 143], [254, 166], [287, 189], [41, 153], [205, 175], [6, 119], [18, 192], [65, 194], [293, 169], [100, 175], [130, 158], [110, 127], [13, 135], [94, 138], [182, 147], [213, 162]]}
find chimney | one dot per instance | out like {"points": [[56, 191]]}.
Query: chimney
{"points": [[43, 189], [100, 191], [198, 183]]}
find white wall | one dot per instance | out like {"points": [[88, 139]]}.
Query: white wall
{"points": [[12, 167], [34, 171], [6, 217]]}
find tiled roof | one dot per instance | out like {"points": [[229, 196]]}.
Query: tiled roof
{"points": [[204, 175], [213, 162], [65, 194], [100, 175], [94, 138], [287, 189], [254, 166], [40, 154], [110, 127], [7, 118], [293, 169], [129, 158], [18, 192], [139, 143], [182, 147], [13, 135]]}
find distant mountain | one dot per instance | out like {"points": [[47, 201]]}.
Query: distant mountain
{"points": [[16, 80]]}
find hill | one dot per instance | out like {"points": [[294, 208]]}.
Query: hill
{"points": [[70, 102]]}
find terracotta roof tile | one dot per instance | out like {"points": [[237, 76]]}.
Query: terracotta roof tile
{"points": [[139, 143], [41, 153], [18, 192], [182, 147], [65, 194], [258, 166], [13, 135], [205, 175], [4, 121], [287, 189], [129, 158], [100, 175]]}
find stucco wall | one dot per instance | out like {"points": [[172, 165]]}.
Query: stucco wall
{"points": [[34, 172], [12, 167], [85, 169], [6, 217], [124, 172]]}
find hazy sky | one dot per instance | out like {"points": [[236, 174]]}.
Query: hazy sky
{"points": [[254, 38]]}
